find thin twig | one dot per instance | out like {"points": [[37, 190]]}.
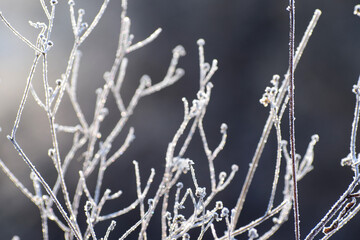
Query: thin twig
{"points": [[292, 117], [25, 95]]}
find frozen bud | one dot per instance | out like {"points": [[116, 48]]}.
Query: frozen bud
{"points": [[186, 236], [201, 42], [222, 176], [84, 25], [276, 220], [195, 107], [346, 161], [253, 233], [235, 167], [275, 80], [132, 138], [106, 75], [216, 216], [315, 138], [51, 152], [223, 128], [88, 206], [146, 80], [357, 10], [219, 205], [224, 212], [168, 215], [126, 20], [201, 95], [98, 91], [284, 143], [107, 192], [183, 164], [267, 90], [49, 45], [200, 192], [273, 91], [71, 2], [180, 218], [179, 50], [123, 114], [215, 63], [58, 82], [130, 39], [206, 67], [45, 198], [180, 185], [33, 176], [54, 2], [179, 71], [356, 89], [265, 100], [81, 11], [150, 201]]}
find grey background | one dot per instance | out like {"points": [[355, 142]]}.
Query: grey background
{"points": [[250, 40]]}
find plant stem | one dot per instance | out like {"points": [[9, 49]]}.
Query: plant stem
{"points": [[292, 116]]}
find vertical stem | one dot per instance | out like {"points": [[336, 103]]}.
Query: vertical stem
{"points": [[292, 116]]}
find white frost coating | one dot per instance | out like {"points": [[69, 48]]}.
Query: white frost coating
{"points": [[193, 204]]}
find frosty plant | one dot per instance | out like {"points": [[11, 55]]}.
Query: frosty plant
{"points": [[202, 211], [96, 154]]}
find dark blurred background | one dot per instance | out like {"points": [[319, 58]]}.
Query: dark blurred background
{"points": [[250, 40]]}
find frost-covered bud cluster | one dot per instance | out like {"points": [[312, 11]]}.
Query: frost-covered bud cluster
{"points": [[43, 43], [182, 164], [201, 102], [348, 161], [98, 150], [356, 89], [357, 10], [200, 192], [270, 92]]}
